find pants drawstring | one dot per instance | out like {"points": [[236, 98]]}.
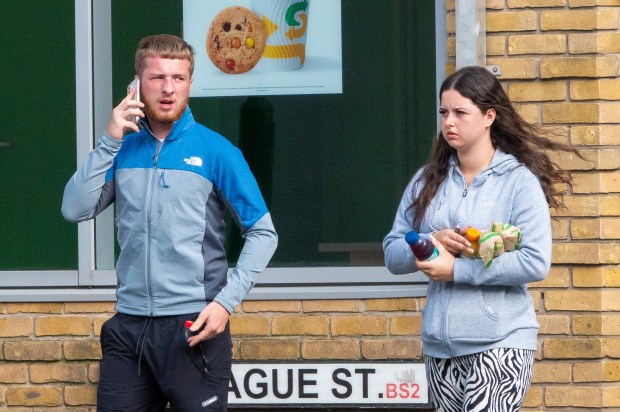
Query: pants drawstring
{"points": [[141, 340]]}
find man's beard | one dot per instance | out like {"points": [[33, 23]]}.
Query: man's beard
{"points": [[167, 117]]}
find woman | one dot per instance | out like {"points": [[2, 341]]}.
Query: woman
{"points": [[487, 165]]}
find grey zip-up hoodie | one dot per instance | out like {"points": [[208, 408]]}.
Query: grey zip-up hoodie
{"points": [[483, 308]]}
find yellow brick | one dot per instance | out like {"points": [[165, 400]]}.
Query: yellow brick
{"points": [[300, 325], [611, 325], [13, 372], [496, 45], [57, 372], [390, 305], [516, 4], [529, 112], [551, 372], [573, 300], [610, 228], [515, 68], [82, 349], [406, 325], [34, 307], [31, 350], [596, 135], [582, 43], [359, 325], [611, 371], [610, 112], [407, 348], [537, 91], [610, 253], [89, 307], [588, 372], [93, 372], [609, 205], [610, 300], [608, 42], [554, 324], [451, 23], [611, 347], [511, 21], [570, 112], [341, 305], [558, 277], [66, 325], [596, 276], [98, 322], [570, 161], [611, 397], [81, 395], [554, 67], [595, 19], [573, 396], [494, 4], [271, 306], [33, 396], [15, 326], [536, 44], [580, 205], [269, 349], [533, 397], [559, 229], [588, 325], [573, 348], [330, 349], [583, 253], [249, 325], [586, 229], [599, 89]]}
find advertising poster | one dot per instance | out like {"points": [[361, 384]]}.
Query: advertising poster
{"points": [[264, 47]]}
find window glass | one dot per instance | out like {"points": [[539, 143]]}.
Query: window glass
{"points": [[332, 168], [37, 135]]}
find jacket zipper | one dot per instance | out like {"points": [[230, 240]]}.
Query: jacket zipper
{"points": [[148, 226]]}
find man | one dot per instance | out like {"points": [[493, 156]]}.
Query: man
{"points": [[171, 183]]}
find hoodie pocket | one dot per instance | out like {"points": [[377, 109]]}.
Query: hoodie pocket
{"points": [[474, 313]]}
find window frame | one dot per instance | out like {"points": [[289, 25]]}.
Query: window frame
{"points": [[87, 283]]}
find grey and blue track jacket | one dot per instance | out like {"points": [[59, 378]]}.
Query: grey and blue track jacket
{"points": [[170, 201], [483, 308]]}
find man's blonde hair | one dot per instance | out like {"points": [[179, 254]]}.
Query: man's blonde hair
{"points": [[166, 46]]}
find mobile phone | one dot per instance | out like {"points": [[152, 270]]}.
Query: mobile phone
{"points": [[135, 84]]}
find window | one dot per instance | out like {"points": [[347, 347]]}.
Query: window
{"points": [[332, 171]]}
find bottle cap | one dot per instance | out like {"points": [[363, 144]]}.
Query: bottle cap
{"points": [[472, 234], [188, 324], [412, 237]]}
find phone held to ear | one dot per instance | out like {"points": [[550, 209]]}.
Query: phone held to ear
{"points": [[135, 84]]}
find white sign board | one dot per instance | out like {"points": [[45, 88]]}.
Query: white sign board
{"points": [[298, 50], [397, 384]]}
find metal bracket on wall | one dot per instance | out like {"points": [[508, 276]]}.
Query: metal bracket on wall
{"points": [[496, 70]]}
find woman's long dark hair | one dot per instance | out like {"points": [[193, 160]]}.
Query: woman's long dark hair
{"points": [[509, 133]]}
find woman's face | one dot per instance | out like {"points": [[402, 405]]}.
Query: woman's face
{"points": [[463, 125]]}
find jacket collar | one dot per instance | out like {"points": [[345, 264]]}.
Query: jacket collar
{"points": [[179, 127]]}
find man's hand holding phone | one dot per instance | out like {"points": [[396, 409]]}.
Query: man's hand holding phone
{"points": [[126, 115]]}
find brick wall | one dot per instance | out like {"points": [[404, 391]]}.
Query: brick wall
{"points": [[559, 63]]}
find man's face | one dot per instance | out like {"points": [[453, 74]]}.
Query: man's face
{"points": [[165, 85]]}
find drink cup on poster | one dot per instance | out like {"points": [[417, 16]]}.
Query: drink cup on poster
{"points": [[286, 24]]}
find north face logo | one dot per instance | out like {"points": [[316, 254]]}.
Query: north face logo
{"points": [[193, 161]]}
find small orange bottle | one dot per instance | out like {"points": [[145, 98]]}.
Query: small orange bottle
{"points": [[473, 235]]}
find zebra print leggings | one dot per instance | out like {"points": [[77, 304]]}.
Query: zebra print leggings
{"points": [[492, 381]]}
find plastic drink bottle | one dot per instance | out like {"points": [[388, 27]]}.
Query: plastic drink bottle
{"points": [[473, 235], [422, 247]]}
